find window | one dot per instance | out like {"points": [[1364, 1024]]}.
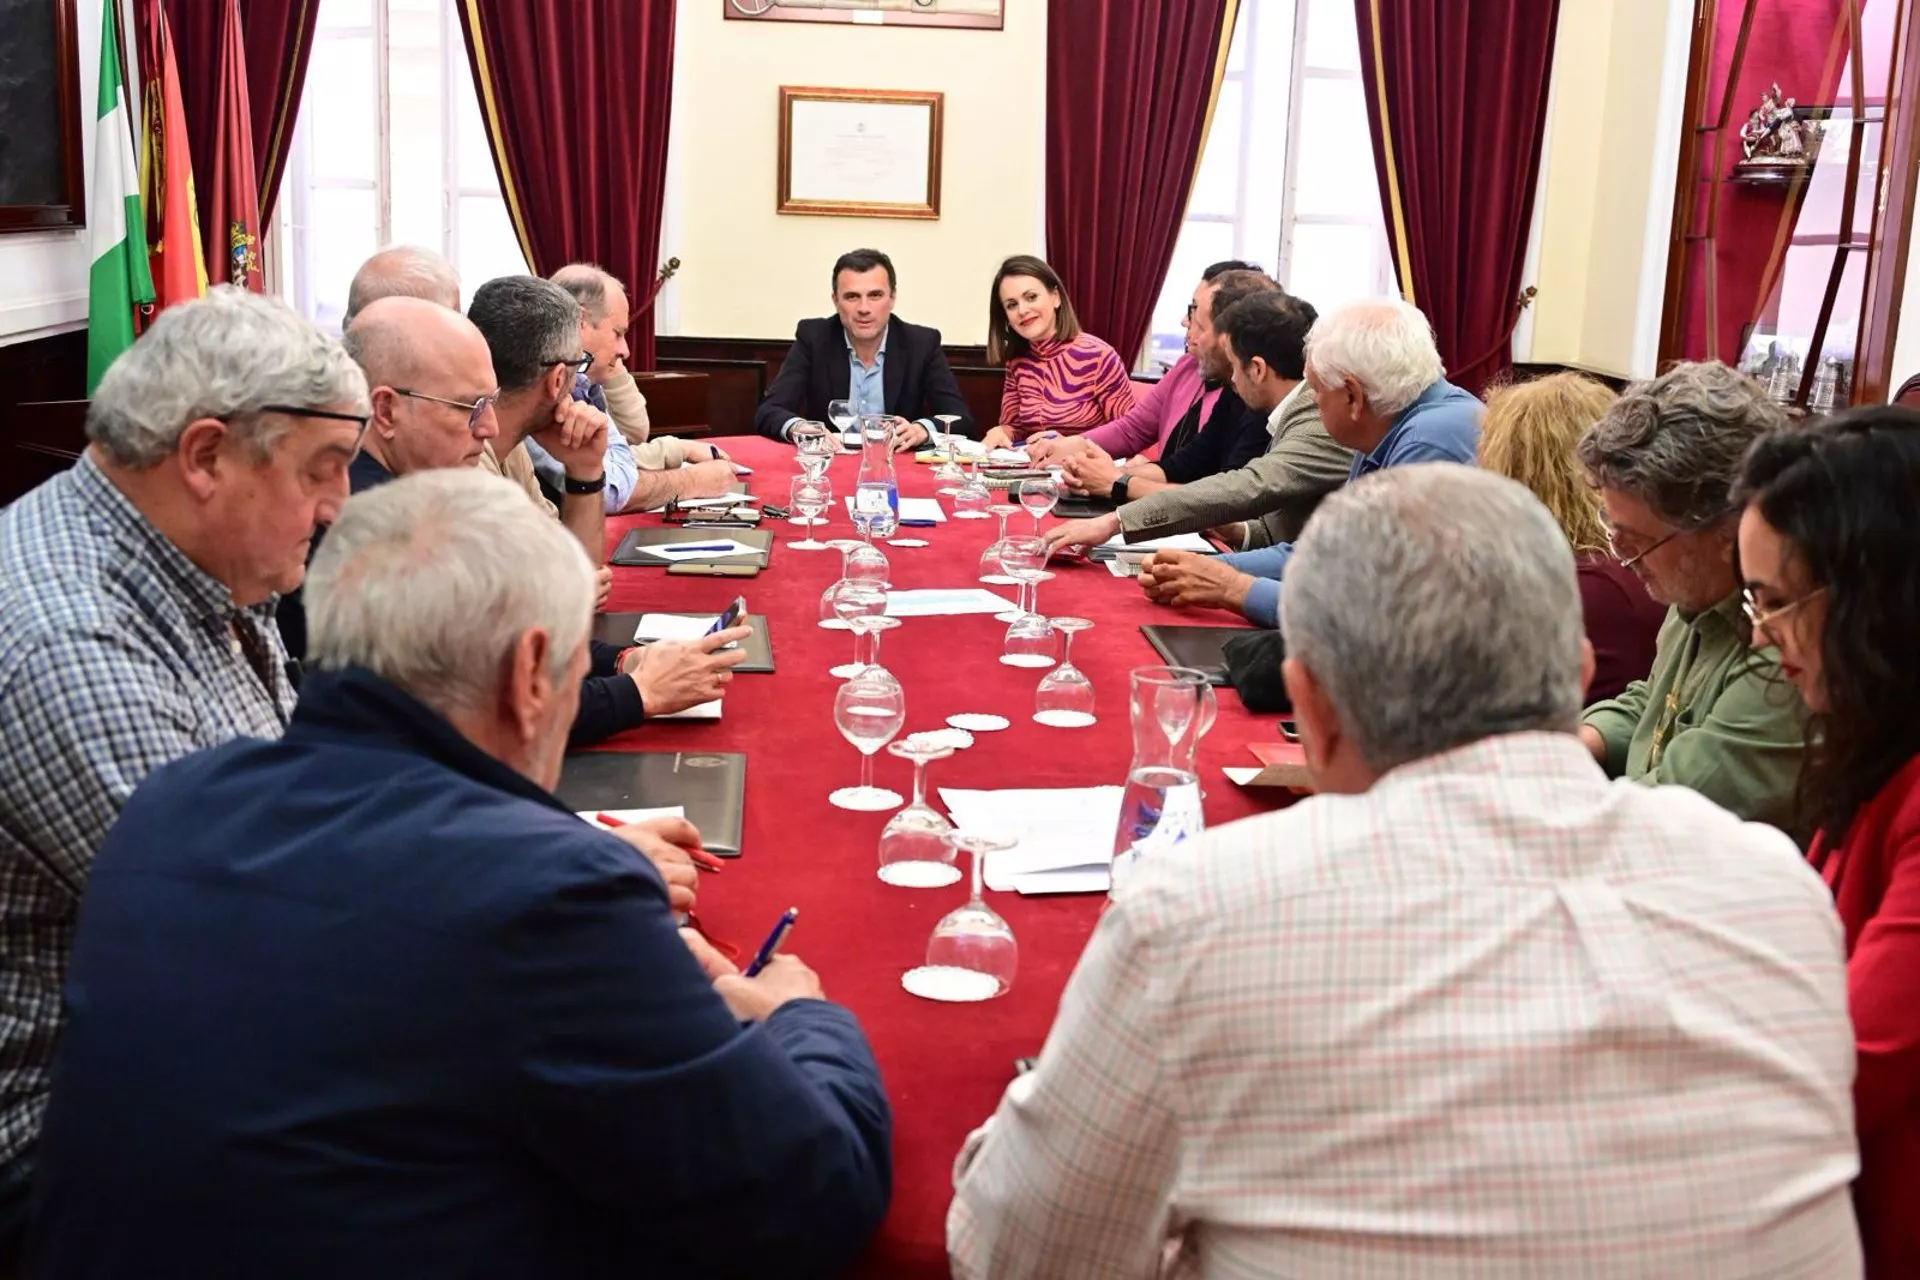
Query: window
{"points": [[1287, 178], [390, 148]]}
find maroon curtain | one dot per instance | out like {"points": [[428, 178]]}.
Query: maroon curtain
{"points": [[1128, 83], [1457, 99], [577, 99], [279, 40]]}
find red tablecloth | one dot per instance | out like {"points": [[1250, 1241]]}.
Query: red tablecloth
{"points": [[945, 1065]]}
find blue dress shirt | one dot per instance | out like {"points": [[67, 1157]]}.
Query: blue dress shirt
{"points": [[1442, 425], [866, 385], [622, 472]]}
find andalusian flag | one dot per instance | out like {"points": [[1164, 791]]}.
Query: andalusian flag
{"points": [[115, 223]]}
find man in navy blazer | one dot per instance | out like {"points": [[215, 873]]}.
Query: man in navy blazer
{"points": [[868, 355], [369, 1001]]}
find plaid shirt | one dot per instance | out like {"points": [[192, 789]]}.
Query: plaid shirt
{"points": [[118, 655], [1497, 1017]]}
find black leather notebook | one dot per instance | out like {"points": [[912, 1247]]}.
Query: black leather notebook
{"points": [[1196, 647], [1076, 506], [618, 628], [711, 786], [632, 548]]}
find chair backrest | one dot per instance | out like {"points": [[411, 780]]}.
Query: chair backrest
{"points": [[1909, 393]]}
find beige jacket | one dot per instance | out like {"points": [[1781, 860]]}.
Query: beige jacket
{"points": [[628, 409]]}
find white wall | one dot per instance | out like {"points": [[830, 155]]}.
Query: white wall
{"points": [[748, 272], [43, 274]]}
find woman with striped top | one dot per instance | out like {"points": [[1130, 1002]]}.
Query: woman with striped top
{"points": [[1058, 378]]}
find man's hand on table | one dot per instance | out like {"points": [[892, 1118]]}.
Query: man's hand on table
{"points": [[664, 842], [1082, 533], [711, 479], [1188, 580], [1090, 469], [700, 451], [673, 675], [1053, 447], [752, 999], [602, 586], [905, 434]]}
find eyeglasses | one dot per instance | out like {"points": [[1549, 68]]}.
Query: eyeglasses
{"points": [[1193, 309], [579, 364], [359, 420], [476, 409], [1762, 619], [1627, 562]]}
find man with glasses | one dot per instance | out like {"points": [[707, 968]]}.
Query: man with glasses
{"points": [[138, 590], [1713, 714]]}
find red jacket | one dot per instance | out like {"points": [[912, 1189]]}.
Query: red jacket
{"points": [[1875, 877]]}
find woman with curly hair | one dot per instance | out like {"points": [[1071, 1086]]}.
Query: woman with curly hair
{"points": [[1830, 549], [1529, 434]]}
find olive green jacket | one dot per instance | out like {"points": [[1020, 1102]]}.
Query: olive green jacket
{"points": [[1713, 715]]}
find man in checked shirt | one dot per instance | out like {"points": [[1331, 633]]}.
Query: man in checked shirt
{"points": [[137, 590], [1471, 1011]]}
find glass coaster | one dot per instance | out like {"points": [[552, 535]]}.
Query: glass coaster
{"points": [[950, 984], [978, 722], [958, 739]]}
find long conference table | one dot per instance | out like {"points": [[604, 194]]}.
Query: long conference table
{"points": [[945, 1065]]}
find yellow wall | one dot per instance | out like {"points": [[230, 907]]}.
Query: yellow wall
{"points": [[747, 272], [1608, 162]]}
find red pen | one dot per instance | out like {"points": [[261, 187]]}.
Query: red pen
{"points": [[701, 858]]}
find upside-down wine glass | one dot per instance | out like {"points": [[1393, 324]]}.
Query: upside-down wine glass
{"points": [[1064, 699], [809, 497], [868, 711], [972, 954], [948, 474], [1039, 496], [813, 447], [855, 603], [971, 500], [1029, 640], [846, 547], [916, 846]]}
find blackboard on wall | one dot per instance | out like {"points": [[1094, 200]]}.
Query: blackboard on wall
{"points": [[39, 125]]}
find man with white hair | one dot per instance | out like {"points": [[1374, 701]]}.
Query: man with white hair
{"points": [[1376, 377], [439, 1026], [610, 388], [138, 591], [402, 271], [1471, 1011]]}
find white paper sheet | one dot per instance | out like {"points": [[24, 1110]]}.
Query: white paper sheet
{"points": [[1177, 542], [912, 510], [724, 500], [1240, 775], [1120, 568], [630, 815], [1065, 834], [701, 711], [692, 550], [672, 626], [935, 602]]}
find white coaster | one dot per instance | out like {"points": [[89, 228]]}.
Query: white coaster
{"points": [[958, 739], [950, 984], [906, 542], [978, 722], [1034, 660], [999, 580], [836, 624], [1064, 719], [920, 875]]}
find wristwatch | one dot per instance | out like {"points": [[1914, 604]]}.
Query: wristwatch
{"points": [[1119, 491], [594, 485]]}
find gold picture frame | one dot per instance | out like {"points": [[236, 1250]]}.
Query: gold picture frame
{"points": [[860, 153], [977, 15]]}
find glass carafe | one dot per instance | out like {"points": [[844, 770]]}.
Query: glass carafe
{"points": [[1172, 708], [876, 496]]}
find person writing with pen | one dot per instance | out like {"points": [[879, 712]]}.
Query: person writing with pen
{"points": [[439, 1025]]}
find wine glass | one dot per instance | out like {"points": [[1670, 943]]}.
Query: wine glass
{"points": [[877, 627], [843, 416], [973, 497], [813, 447], [856, 602], [990, 570], [916, 845], [1021, 554], [809, 498], [868, 712], [1038, 496], [846, 547], [972, 954], [868, 563], [1064, 699], [948, 472], [1029, 640]]}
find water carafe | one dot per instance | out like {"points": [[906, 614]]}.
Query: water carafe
{"points": [[1172, 708], [876, 495]]}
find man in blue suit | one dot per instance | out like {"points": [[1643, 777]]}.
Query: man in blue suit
{"points": [[369, 1001]]}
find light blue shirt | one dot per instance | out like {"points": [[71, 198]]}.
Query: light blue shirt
{"points": [[622, 472], [866, 384], [1442, 425]]}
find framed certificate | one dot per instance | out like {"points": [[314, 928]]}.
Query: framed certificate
{"points": [[860, 153], [982, 15]]}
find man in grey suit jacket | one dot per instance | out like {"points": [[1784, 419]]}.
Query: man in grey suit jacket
{"points": [[1264, 339]]}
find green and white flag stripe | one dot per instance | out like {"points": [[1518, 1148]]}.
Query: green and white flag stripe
{"points": [[116, 225]]}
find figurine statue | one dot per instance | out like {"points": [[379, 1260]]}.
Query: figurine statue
{"points": [[1774, 131]]}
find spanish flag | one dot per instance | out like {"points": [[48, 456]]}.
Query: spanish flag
{"points": [[166, 176]]}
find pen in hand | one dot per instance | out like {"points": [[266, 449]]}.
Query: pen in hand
{"points": [[699, 857], [764, 956]]}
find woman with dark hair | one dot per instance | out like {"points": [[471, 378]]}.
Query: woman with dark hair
{"points": [[1830, 549], [1058, 378]]}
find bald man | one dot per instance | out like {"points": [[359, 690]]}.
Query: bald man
{"points": [[402, 271], [432, 390]]}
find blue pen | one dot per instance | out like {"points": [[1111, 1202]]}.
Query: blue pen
{"points": [[703, 546], [764, 956]]}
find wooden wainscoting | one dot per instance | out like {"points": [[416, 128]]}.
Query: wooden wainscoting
{"points": [[42, 418]]}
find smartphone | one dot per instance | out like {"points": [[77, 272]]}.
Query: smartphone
{"points": [[694, 569], [735, 614], [1289, 730]]}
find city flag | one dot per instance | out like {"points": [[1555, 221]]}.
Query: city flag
{"points": [[118, 279]]}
